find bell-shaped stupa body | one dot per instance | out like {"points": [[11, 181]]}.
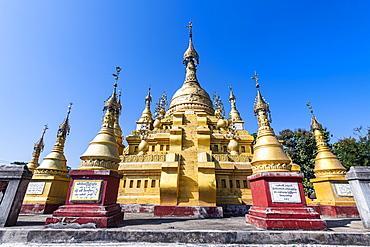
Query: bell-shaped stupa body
{"points": [[102, 152], [269, 155]]}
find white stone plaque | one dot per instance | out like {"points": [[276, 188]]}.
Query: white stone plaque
{"points": [[86, 190], [35, 188], [189, 112], [285, 192], [239, 126], [343, 189]]}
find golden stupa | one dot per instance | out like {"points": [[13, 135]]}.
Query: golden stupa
{"points": [[331, 186], [188, 154], [269, 155], [49, 184], [37, 149], [102, 152]]}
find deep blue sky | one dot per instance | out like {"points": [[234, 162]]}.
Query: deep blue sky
{"points": [[54, 52]]}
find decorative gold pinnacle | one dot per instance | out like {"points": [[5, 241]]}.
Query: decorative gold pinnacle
{"points": [[326, 163], [146, 115], [268, 154], [55, 162], [234, 114], [37, 149], [102, 153]]}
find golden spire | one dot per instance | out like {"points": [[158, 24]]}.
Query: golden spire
{"points": [[234, 114], [191, 96], [55, 163], [102, 152], [268, 154], [326, 163], [117, 127], [37, 149], [147, 114]]}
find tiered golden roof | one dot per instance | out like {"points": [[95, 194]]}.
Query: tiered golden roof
{"points": [[268, 154], [326, 163], [102, 153], [37, 149], [191, 96], [55, 163]]}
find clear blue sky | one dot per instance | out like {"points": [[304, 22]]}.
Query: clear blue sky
{"points": [[54, 52]]}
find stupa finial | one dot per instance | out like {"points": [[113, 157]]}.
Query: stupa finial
{"points": [[234, 114], [315, 125]]}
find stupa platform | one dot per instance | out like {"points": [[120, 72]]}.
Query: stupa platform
{"points": [[139, 228]]}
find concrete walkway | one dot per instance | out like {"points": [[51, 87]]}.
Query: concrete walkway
{"points": [[145, 229]]}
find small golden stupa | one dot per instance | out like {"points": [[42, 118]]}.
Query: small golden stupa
{"points": [[330, 184], [188, 154], [37, 149], [269, 155], [102, 152], [49, 185]]}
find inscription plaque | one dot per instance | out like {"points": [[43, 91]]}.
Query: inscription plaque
{"points": [[285, 192], [86, 191], [189, 112], [343, 189], [35, 188]]}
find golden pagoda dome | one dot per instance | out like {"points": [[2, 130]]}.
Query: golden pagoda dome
{"points": [[326, 163], [191, 96], [269, 155], [102, 153], [55, 160]]}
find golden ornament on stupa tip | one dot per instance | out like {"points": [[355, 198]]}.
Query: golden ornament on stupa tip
{"points": [[37, 149], [326, 163], [268, 154], [102, 152], [55, 162], [117, 127]]}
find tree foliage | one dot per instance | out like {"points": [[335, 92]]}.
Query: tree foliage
{"points": [[19, 163], [354, 151]]}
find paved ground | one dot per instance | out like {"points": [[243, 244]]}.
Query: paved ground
{"points": [[147, 230], [146, 221]]}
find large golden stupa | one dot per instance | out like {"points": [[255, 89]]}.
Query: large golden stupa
{"points": [[188, 154]]}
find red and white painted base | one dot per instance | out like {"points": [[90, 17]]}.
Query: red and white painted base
{"points": [[188, 211], [337, 211], [30, 208], [97, 205], [279, 203]]}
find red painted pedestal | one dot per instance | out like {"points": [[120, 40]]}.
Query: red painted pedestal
{"points": [[279, 203], [337, 211], [91, 198], [39, 208]]}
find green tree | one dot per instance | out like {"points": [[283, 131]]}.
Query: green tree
{"points": [[354, 151], [301, 147]]}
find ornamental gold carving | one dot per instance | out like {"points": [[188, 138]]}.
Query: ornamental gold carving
{"points": [[99, 164], [271, 167], [51, 172]]}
